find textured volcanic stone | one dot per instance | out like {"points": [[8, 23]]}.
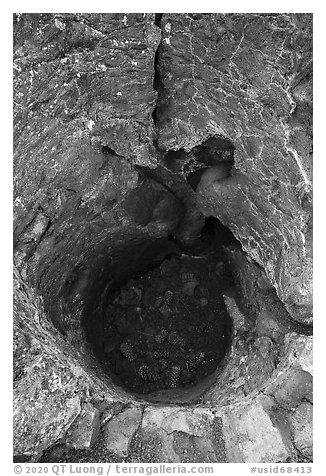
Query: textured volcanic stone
{"points": [[291, 388], [184, 435], [248, 78], [192, 449], [194, 421], [79, 126], [83, 432], [298, 350], [260, 364], [258, 297], [302, 422], [88, 211], [269, 325], [50, 383], [249, 278], [251, 436], [120, 429], [154, 445], [92, 74], [153, 204]]}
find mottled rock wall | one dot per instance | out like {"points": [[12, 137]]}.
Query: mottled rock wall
{"points": [[84, 218], [74, 73], [52, 380], [249, 78], [80, 124], [94, 202], [83, 103]]}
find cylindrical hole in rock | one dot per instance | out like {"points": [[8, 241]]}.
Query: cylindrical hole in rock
{"points": [[167, 330]]}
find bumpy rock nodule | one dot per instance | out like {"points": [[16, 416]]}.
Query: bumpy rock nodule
{"points": [[95, 204]]}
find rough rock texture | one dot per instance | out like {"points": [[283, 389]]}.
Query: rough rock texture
{"points": [[248, 78], [72, 77], [176, 434], [84, 217], [85, 429], [78, 204], [301, 421], [300, 349], [258, 296], [119, 431], [50, 383], [252, 437], [295, 385], [95, 204]]}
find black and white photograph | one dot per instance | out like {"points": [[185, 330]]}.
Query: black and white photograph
{"points": [[163, 241]]}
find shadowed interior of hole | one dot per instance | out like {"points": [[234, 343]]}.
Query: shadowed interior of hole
{"points": [[215, 152], [164, 334]]}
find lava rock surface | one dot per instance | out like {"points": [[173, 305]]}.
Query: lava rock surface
{"points": [[100, 102], [249, 78]]}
